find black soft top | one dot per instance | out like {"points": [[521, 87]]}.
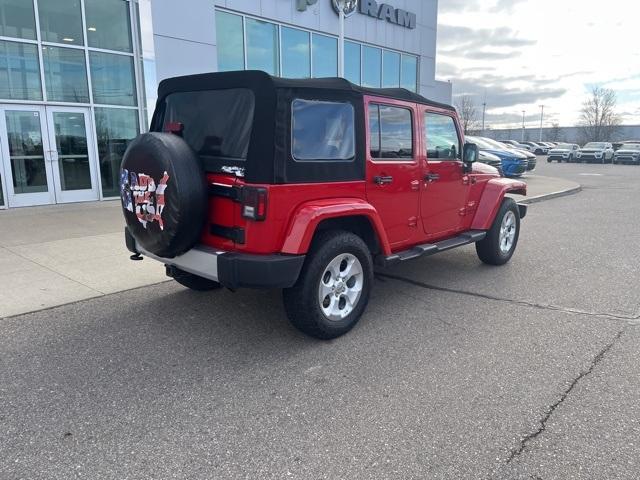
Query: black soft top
{"points": [[269, 153], [264, 81]]}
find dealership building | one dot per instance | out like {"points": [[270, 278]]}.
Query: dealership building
{"points": [[78, 77]]}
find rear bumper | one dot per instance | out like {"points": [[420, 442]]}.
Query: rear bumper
{"points": [[230, 269]]}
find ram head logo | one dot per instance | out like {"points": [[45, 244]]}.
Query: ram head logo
{"points": [[349, 7]]}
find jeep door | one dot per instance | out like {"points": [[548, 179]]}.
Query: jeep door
{"points": [[393, 169], [446, 185]]}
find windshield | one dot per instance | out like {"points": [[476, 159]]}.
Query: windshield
{"points": [[494, 144], [563, 146], [595, 145], [630, 146], [480, 143]]}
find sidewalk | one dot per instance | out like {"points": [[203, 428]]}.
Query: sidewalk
{"points": [[60, 254]]}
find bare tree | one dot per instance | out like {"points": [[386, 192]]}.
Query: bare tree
{"points": [[599, 121], [555, 133], [468, 114]]}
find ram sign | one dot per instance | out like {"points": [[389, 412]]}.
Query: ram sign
{"points": [[371, 8]]}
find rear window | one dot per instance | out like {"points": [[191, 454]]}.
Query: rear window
{"points": [[217, 123], [391, 132], [323, 131]]}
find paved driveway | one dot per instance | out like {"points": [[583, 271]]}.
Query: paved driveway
{"points": [[457, 371]]}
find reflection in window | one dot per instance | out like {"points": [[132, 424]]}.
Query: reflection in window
{"points": [[296, 55], [393, 127], [26, 152], [17, 19], [325, 56], [19, 72], [352, 62], [65, 75], [262, 46], [391, 69], [441, 137], [323, 130], [108, 24], [115, 129], [230, 42], [371, 66], [410, 73], [112, 79], [73, 151], [61, 21]]}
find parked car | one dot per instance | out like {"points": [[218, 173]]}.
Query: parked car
{"points": [[549, 145], [531, 158], [518, 145], [628, 153], [514, 164], [564, 152], [492, 160], [536, 148], [596, 152], [248, 180]]}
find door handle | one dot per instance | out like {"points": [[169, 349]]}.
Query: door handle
{"points": [[382, 180], [432, 177]]}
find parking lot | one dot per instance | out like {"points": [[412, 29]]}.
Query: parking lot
{"points": [[458, 370]]}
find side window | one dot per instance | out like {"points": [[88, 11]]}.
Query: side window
{"points": [[441, 137], [322, 131], [391, 130]]}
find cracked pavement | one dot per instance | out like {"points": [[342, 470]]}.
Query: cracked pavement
{"points": [[458, 370]]}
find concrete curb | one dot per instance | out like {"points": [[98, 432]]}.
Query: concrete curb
{"points": [[552, 195]]}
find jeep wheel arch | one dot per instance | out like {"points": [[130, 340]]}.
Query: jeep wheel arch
{"points": [[492, 198]]}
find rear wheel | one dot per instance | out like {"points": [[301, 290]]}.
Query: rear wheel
{"points": [[333, 289], [194, 282], [500, 243]]}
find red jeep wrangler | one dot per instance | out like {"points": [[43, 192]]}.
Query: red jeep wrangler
{"points": [[247, 180]]}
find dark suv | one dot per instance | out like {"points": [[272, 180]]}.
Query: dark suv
{"points": [[247, 180]]}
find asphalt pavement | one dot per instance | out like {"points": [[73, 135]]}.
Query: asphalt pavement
{"points": [[457, 371]]}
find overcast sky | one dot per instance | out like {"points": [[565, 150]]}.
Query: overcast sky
{"points": [[519, 54]]}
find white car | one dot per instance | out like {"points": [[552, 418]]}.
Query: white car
{"points": [[628, 153], [564, 152], [596, 152]]}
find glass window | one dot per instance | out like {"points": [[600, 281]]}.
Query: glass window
{"points": [[262, 46], [296, 55], [409, 73], [19, 72], [113, 79], [17, 19], [393, 127], [65, 75], [217, 123], [371, 66], [390, 69], [115, 129], [441, 137], [26, 152], [1, 194], [352, 62], [230, 42], [73, 151], [325, 56], [61, 21], [323, 130], [108, 24]]}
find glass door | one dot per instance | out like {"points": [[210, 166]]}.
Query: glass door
{"points": [[26, 156], [73, 161]]}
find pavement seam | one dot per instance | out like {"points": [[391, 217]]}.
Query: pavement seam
{"points": [[565, 394], [625, 318]]}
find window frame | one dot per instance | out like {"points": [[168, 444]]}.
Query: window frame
{"points": [[335, 160], [425, 133], [414, 142]]}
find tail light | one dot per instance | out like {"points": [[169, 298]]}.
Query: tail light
{"points": [[254, 203]]}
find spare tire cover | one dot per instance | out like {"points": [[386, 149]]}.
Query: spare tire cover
{"points": [[164, 194]]}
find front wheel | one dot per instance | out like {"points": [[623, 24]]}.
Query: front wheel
{"points": [[500, 243], [333, 289]]}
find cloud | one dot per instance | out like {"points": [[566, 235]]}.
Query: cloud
{"points": [[458, 36], [447, 6]]}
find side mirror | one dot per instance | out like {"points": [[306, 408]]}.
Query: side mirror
{"points": [[471, 153]]}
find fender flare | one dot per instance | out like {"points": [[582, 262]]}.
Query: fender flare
{"points": [[309, 215], [492, 196]]}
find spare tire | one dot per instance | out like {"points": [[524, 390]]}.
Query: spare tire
{"points": [[164, 194]]}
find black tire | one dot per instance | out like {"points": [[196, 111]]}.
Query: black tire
{"points": [[489, 250], [166, 222], [194, 282], [302, 300]]}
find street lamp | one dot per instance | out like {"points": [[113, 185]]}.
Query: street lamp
{"points": [[541, 119], [523, 112]]}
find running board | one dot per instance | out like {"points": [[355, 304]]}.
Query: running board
{"points": [[428, 249]]}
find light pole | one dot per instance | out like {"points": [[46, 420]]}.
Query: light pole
{"points": [[341, 7], [541, 119], [523, 112], [484, 109]]}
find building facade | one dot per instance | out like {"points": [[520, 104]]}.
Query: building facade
{"points": [[78, 77]]}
